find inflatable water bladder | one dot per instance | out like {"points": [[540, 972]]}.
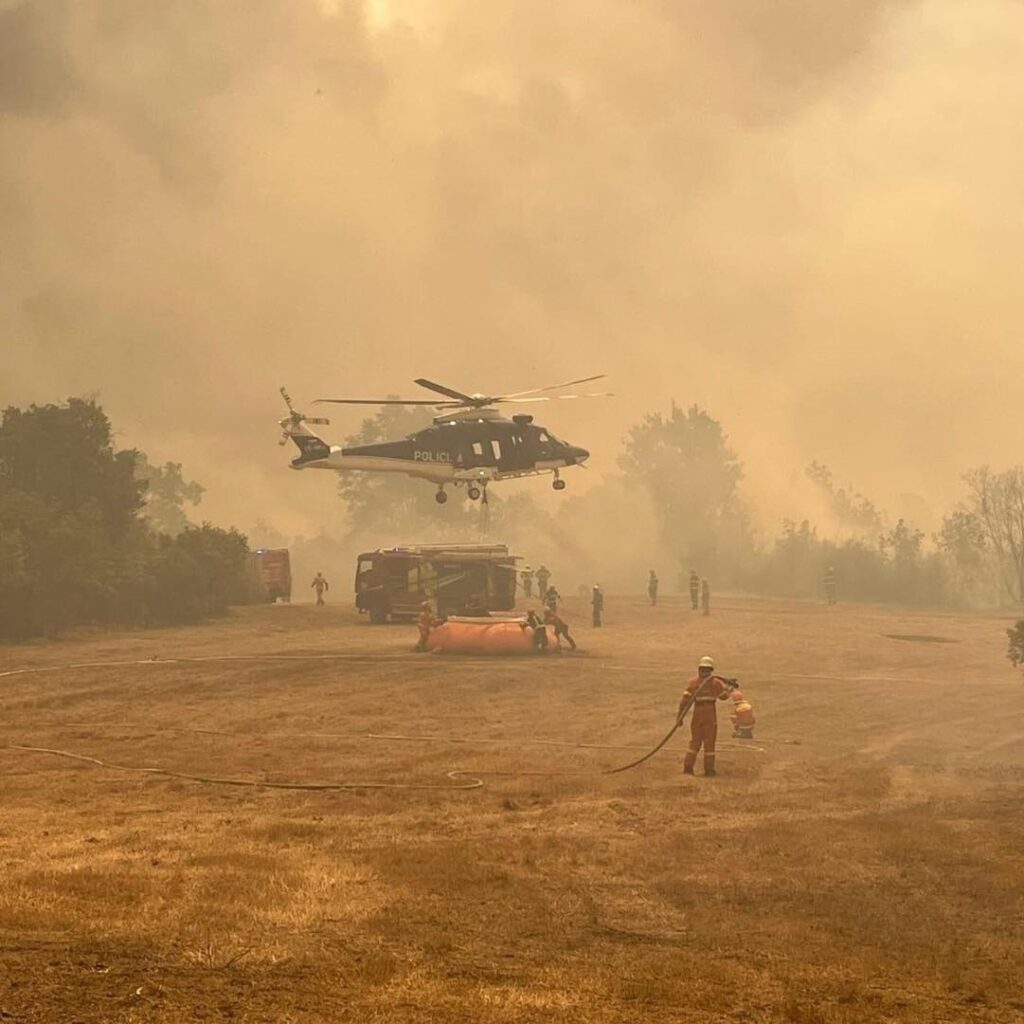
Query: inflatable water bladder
{"points": [[481, 636]]}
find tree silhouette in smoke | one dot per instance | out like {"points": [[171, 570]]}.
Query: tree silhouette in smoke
{"points": [[167, 492], [684, 460]]}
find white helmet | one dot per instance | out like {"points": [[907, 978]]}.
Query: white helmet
{"points": [[706, 662]]}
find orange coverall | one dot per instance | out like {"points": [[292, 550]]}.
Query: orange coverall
{"points": [[703, 719], [742, 716]]}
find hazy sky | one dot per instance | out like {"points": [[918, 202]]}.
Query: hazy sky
{"points": [[805, 215]]}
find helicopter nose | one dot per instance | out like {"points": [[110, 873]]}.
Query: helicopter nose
{"points": [[577, 456]]}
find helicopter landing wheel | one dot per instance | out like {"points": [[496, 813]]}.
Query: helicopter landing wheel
{"points": [[441, 497], [474, 492], [558, 485]]}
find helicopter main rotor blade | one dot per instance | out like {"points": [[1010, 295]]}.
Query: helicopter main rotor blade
{"points": [[389, 401], [553, 387], [448, 392], [555, 398]]}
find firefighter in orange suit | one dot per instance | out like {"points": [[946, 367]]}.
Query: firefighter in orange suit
{"points": [[425, 623], [742, 713], [703, 692]]}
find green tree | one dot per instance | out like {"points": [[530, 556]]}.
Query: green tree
{"points": [[74, 548], [65, 454], [166, 493], [62, 568], [693, 476]]}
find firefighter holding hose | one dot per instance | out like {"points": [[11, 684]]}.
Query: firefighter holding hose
{"points": [[702, 694]]}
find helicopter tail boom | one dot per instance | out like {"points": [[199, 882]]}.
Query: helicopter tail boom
{"points": [[295, 427]]}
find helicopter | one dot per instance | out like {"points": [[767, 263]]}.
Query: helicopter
{"points": [[469, 444]]}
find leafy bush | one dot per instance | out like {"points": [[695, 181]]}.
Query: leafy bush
{"points": [[74, 546]]}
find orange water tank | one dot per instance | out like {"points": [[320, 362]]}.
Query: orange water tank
{"points": [[481, 636]]}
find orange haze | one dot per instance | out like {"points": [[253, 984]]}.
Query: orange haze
{"points": [[803, 215]]}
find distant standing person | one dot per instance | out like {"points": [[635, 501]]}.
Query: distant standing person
{"points": [[652, 588], [705, 596], [597, 603], [694, 590], [829, 581], [551, 596], [526, 578], [543, 579], [321, 586]]}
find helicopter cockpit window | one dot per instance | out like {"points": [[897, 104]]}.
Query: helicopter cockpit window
{"points": [[544, 437]]}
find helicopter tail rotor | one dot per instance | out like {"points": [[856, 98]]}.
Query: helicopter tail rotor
{"points": [[296, 424]]}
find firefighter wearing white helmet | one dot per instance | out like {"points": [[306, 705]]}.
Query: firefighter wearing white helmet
{"points": [[703, 692]]}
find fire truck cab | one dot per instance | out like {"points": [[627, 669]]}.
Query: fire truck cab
{"points": [[392, 583]]}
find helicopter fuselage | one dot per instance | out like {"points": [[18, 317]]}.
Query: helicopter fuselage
{"points": [[473, 446]]}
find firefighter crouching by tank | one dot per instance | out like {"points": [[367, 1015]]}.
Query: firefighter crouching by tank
{"points": [[742, 712], [425, 622], [560, 626], [703, 692]]}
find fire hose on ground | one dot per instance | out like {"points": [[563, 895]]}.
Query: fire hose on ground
{"points": [[461, 780]]}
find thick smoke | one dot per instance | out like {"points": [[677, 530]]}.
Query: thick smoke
{"points": [[802, 215]]}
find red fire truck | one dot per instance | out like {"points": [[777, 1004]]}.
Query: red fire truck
{"points": [[392, 583], [273, 569]]}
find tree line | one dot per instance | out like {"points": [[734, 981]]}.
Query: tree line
{"points": [[681, 482], [90, 535], [94, 535]]}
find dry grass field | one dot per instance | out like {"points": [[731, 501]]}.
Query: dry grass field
{"points": [[863, 862]]}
